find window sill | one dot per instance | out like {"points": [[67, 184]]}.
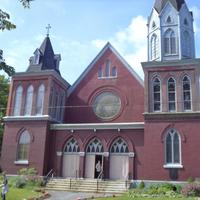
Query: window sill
{"points": [[175, 166], [107, 77], [21, 162]]}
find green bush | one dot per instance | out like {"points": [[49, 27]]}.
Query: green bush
{"points": [[20, 182], [190, 180], [28, 172], [141, 185]]}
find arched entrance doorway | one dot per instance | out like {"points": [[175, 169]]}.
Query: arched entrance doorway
{"points": [[94, 159], [71, 159], [119, 160]]}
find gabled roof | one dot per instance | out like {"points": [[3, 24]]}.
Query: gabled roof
{"points": [[107, 46], [160, 4]]}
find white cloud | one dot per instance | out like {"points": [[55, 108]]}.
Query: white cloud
{"points": [[130, 42], [76, 55]]}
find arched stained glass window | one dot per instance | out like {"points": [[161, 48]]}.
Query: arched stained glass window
{"points": [[156, 95], [40, 100], [171, 95], [119, 146], [29, 101], [23, 146], [172, 145], [18, 101], [186, 93], [95, 146], [72, 146]]}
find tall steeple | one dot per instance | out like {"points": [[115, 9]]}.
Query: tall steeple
{"points": [[44, 57], [170, 31]]}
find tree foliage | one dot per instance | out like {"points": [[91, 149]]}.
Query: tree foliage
{"points": [[7, 24], [4, 90]]}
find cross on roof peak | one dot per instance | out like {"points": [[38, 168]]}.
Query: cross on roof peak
{"points": [[48, 29]]}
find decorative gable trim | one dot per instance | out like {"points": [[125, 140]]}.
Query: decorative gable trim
{"points": [[90, 66]]}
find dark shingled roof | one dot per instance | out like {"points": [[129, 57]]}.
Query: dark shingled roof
{"points": [[47, 58], [159, 4]]}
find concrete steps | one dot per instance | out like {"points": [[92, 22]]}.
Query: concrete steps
{"points": [[88, 185]]}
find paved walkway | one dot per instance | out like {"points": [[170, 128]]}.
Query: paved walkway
{"points": [[62, 195]]}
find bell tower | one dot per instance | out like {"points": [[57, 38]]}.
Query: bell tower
{"points": [[170, 31]]}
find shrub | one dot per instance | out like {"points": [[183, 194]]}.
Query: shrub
{"points": [[141, 185], [191, 189], [190, 180], [20, 182]]}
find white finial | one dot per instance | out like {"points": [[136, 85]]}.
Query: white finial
{"points": [[48, 29]]}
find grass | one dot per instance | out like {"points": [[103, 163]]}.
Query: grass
{"points": [[21, 194]]}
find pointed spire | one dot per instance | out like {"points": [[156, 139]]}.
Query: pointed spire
{"points": [[44, 58], [160, 4]]}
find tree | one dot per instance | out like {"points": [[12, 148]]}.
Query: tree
{"points": [[6, 24], [4, 89]]}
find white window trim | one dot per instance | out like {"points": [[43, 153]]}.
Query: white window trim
{"points": [[21, 162], [168, 94], [171, 165], [174, 166]]}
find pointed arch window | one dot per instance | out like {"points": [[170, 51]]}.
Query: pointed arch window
{"points": [[154, 47], [186, 93], [95, 146], [170, 42], [172, 148], [171, 94], [29, 101], [18, 101], [40, 100], [156, 95], [72, 146], [119, 146], [23, 146], [107, 70]]}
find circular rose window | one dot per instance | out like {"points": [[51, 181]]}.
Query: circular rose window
{"points": [[107, 105]]}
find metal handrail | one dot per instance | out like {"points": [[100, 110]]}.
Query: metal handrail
{"points": [[100, 174], [48, 176]]}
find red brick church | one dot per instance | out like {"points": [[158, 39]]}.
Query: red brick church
{"points": [[132, 129]]}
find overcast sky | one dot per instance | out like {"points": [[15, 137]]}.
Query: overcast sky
{"points": [[80, 29]]}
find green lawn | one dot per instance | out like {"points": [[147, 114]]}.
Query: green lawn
{"points": [[21, 194]]}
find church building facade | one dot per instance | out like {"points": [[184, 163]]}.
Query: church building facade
{"points": [[110, 122]]}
